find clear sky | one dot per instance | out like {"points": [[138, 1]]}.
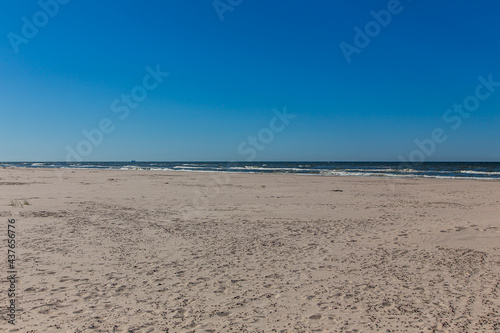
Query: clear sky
{"points": [[67, 66]]}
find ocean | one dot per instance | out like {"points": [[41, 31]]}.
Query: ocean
{"points": [[447, 170]]}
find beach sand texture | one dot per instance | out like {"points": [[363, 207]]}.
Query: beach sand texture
{"points": [[131, 251]]}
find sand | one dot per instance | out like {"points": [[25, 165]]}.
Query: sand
{"points": [[155, 251]]}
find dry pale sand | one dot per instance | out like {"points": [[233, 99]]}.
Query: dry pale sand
{"points": [[152, 251]]}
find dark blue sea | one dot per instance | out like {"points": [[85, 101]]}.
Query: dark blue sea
{"points": [[455, 170]]}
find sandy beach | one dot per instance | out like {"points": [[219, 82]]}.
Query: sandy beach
{"points": [[152, 251]]}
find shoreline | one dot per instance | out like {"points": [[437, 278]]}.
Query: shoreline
{"points": [[487, 179]]}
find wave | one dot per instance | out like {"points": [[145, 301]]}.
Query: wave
{"points": [[462, 170], [131, 167], [188, 167], [480, 172], [273, 169], [460, 177]]}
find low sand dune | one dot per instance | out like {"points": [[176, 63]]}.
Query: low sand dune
{"points": [[143, 251]]}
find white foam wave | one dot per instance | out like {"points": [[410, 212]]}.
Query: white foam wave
{"points": [[269, 169], [480, 172], [131, 167], [187, 167]]}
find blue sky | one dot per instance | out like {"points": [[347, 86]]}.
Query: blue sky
{"points": [[226, 76]]}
